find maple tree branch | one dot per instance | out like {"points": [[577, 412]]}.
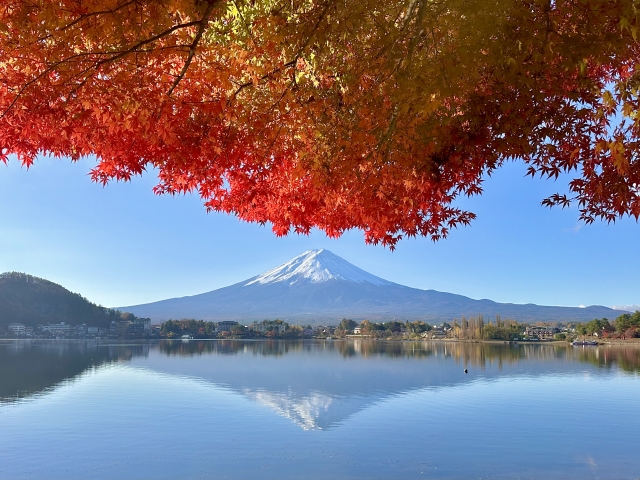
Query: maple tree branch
{"points": [[408, 15], [95, 14], [246, 25], [417, 34], [87, 16], [141, 43], [115, 56], [277, 102], [294, 61], [204, 21], [266, 152], [314, 29], [390, 129], [244, 85], [21, 91]]}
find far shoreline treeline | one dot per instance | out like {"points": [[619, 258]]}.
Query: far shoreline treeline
{"points": [[625, 326]]}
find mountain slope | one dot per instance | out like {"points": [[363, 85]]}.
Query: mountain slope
{"points": [[319, 286], [32, 301]]}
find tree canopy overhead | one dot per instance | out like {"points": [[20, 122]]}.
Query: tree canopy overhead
{"points": [[334, 114]]}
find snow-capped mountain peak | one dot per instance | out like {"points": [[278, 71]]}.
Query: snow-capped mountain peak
{"points": [[316, 266]]}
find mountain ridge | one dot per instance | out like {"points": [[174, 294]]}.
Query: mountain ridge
{"points": [[319, 286], [32, 301]]}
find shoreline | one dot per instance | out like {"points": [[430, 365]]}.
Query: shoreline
{"points": [[607, 342]]}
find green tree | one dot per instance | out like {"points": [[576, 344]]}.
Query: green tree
{"points": [[624, 322], [598, 326], [394, 327], [418, 327], [347, 325], [510, 332], [239, 330], [581, 329]]}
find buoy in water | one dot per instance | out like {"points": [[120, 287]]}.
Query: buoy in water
{"points": [[465, 371]]}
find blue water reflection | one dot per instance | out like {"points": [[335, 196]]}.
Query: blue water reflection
{"points": [[231, 409]]}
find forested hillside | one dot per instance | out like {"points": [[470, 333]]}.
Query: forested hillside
{"points": [[33, 301]]}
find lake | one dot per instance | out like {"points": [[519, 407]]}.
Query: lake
{"points": [[226, 409]]}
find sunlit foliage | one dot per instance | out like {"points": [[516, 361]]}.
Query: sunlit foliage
{"points": [[334, 114]]}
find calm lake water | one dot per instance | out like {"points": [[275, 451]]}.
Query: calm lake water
{"points": [[317, 410]]}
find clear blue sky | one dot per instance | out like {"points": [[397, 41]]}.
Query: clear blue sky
{"points": [[122, 245]]}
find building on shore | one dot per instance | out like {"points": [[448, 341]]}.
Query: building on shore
{"points": [[139, 326], [541, 332], [276, 326], [225, 326], [324, 330], [17, 329], [61, 329]]}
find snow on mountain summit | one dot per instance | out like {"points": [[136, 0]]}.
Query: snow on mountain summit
{"points": [[317, 266]]}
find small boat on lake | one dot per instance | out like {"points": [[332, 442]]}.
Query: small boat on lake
{"points": [[579, 343]]}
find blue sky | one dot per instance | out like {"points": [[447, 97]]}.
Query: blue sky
{"points": [[123, 245]]}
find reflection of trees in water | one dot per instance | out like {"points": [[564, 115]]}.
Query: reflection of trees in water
{"points": [[236, 346], [231, 347], [362, 348], [30, 367], [489, 354], [624, 356], [368, 348], [486, 354], [475, 354]]}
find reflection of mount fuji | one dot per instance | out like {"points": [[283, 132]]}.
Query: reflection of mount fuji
{"points": [[318, 385], [315, 411], [319, 287]]}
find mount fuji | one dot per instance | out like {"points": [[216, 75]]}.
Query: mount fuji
{"points": [[320, 287]]}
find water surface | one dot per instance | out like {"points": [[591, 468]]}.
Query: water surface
{"points": [[318, 409]]}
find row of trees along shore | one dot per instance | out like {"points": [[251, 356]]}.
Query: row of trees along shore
{"points": [[204, 329], [625, 326], [472, 328]]}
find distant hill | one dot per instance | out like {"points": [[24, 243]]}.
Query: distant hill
{"points": [[32, 301], [320, 287]]}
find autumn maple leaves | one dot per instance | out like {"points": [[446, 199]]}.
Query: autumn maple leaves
{"points": [[325, 114]]}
